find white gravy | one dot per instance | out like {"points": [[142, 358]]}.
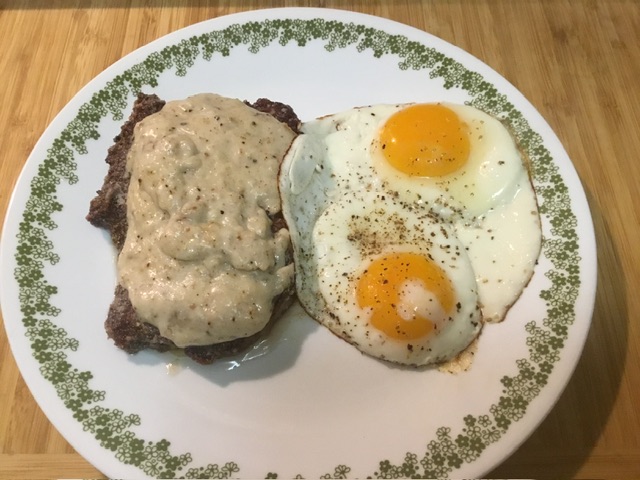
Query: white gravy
{"points": [[200, 261]]}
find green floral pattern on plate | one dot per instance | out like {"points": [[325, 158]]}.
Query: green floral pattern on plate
{"points": [[447, 450]]}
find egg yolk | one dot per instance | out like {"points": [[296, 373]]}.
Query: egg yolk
{"points": [[425, 140], [379, 287]]}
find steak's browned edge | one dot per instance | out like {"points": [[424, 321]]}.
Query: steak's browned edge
{"points": [[108, 210]]}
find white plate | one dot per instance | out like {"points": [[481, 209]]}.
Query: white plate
{"points": [[303, 403]]}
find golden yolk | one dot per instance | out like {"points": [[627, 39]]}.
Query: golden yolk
{"points": [[380, 285], [425, 140]]}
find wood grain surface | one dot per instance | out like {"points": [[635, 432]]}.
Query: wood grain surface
{"points": [[578, 62]]}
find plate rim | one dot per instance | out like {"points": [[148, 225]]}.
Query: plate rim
{"points": [[587, 238]]}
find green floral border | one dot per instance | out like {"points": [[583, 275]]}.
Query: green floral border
{"points": [[113, 428]]}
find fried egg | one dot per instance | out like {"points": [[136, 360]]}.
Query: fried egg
{"points": [[392, 281], [377, 188], [455, 158]]}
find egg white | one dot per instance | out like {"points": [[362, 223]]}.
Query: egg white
{"points": [[488, 179], [347, 237], [339, 218], [490, 202], [503, 248], [335, 172]]}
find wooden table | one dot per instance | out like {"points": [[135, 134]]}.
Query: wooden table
{"points": [[577, 62]]}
